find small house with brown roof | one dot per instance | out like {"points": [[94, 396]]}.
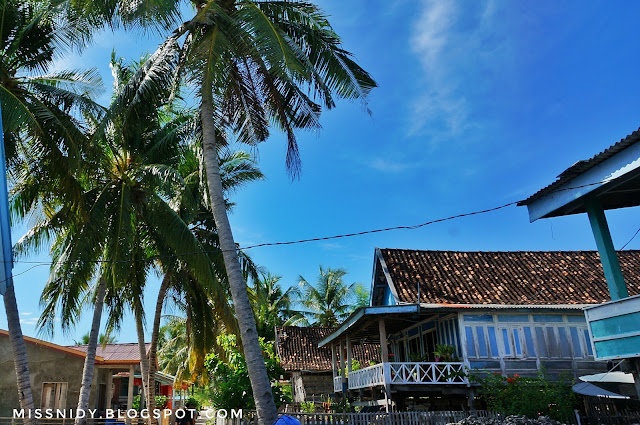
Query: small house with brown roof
{"points": [[120, 365], [439, 315], [309, 366], [56, 375]]}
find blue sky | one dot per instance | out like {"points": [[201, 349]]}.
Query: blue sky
{"points": [[479, 104]]}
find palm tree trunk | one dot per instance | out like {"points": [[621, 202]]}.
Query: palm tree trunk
{"points": [[151, 401], [19, 352], [260, 385], [144, 360], [90, 358]]}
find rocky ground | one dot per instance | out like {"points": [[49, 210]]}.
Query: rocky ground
{"points": [[509, 420]]}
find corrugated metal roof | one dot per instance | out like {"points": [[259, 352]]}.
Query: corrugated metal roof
{"points": [[584, 165], [116, 353]]}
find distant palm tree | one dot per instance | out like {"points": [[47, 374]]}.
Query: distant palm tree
{"points": [[362, 295], [271, 305], [174, 349], [330, 300], [102, 339]]}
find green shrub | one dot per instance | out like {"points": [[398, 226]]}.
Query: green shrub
{"points": [[230, 385], [161, 402], [308, 407], [531, 397], [192, 401]]}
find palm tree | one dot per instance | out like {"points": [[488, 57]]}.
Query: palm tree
{"points": [[330, 301], [362, 295], [39, 124], [202, 302], [271, 305], [174, 349], [129, 187], [254, 63], [102, 339]]}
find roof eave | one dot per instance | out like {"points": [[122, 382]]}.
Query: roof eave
{"points": [[564, 198], [368, 311], [445, 306]]}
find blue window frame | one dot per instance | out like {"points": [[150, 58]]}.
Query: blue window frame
{"points": [[482, 342], [528, 338], [506, 341], [471, 346], [586, 338], [493, 341], [542, 343], [575, 340]]}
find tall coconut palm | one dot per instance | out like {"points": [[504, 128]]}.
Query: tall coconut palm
{"points": [[261, 63], [330, 300], [202, 302], [39, 110]]}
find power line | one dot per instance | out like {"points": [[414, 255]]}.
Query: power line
{"points": [[314, 239], [632, 238]]}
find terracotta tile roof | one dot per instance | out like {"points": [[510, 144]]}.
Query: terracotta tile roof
{"points": [[298, 349], [518, 278], [584, 165], [116, 353]]}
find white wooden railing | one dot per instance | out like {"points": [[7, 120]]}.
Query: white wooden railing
{"points": [[337, 384], [427, 373], [406, 373], [368, 377]]}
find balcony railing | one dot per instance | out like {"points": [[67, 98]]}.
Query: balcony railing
{"points": [[405, 373], [337, 384], [428, 373]]}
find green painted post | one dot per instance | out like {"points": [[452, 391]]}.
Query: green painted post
{"points": [[608, 256]]}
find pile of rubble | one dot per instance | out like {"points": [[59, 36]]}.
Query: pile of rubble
{"points": [[509, 420]]}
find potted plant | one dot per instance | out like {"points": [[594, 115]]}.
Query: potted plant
{"points": [[444, 352]]}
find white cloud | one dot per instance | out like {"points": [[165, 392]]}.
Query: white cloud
{"points": [[331, 246], [457, 46], [31, 321], [26, 314], [391, 166]]}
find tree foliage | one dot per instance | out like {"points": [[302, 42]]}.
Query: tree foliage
{"points": [[272, 306], [330, 301], [230, 384]]}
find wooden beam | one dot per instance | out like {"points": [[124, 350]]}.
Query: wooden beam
{"points": [[384, 349], [109, 388], [608, 255], [342, 369], [349, 354], [349, 365], [334, 364], [130, 391]]}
